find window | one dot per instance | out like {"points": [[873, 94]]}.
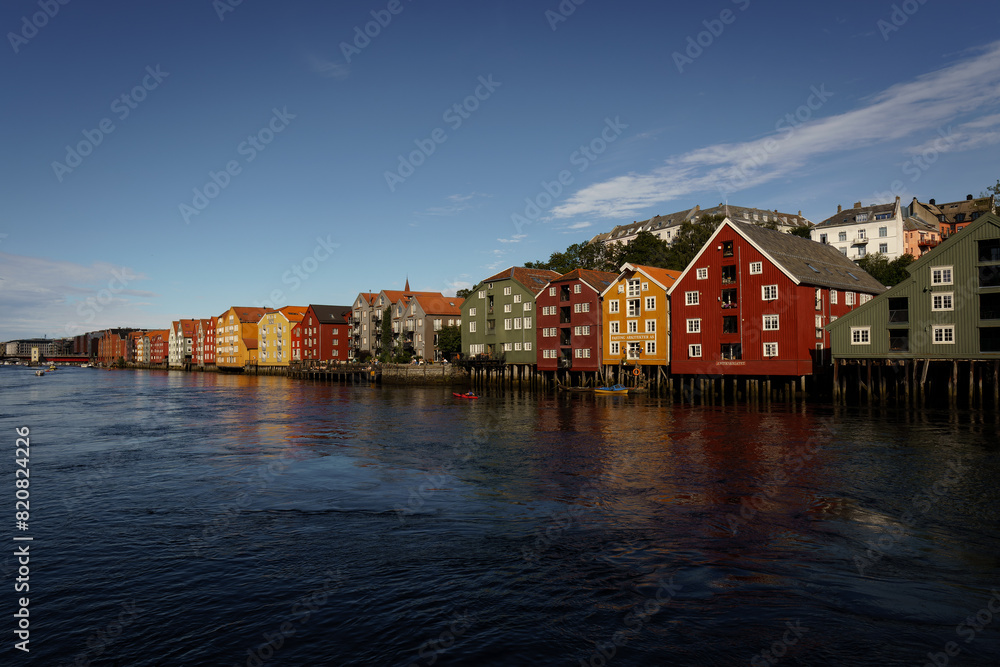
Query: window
{"points": [[508, 324], [650, 303], [899, 340], [730, 351], [552, 291], [506, 290], [729, 324], [694, 325], [865, 298], [819, 299], [756, 268], [634, 350], [702, 274], [849, 298], [633, 307], [843, 251], [883, 232], [770, 323], [633, 326], [576, 288], [615, 349], [691, 298], [517, 298], [633, 287], [861, 217], [613, 306], [527, 306], [941, 275], [694, 351], [615, 327], [822, 238], [769, 292], [650, 326], [585, 307], [482, 294], [862, 251], [842, 236], [472, 327], [507, 307], [944, 334], [584, 330], [862, 234], [833, 296], [989, 250], [517, 322], [883, 248], [576, 307], [472, 312], [645, 287], [650, 347], [727, 248], [770, 349], [527, 347], [861, 336]]}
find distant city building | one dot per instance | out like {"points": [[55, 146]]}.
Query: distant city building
{"points": [[276, 342], [568, 310], [855, 232], [666, 227], [47, 347], [326, 333], [236, 332], [417, 319], [952, 217]]}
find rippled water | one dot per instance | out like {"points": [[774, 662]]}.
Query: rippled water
{"points": [[202, 519]]}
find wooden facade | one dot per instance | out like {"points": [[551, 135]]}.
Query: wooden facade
{"points": [[569, 332], [636, 322]]}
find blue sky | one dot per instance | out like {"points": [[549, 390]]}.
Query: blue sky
{"points": [[171, 159]]}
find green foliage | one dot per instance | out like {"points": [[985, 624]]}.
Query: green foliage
{"points": [[450, 341], [803, 231], [887, 272], [462, 293], [594, 256]]}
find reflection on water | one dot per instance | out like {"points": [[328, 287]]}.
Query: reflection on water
{"points": [[214, 519]]}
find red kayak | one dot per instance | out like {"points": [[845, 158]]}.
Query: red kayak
{"points": [[469, 395]]}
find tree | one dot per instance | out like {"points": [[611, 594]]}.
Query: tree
{"points": [[450, 341], [690, 239], [887, 272], [462, 293], [385, 334], [992, 191], [595, 256], [805, 231]]}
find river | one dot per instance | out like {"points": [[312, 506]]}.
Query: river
{"points": [[205, 519]]}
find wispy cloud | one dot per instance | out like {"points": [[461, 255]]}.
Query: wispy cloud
{"points": [[516, 238], [328, 68], [61, 298], [975, 134], [907, 109], [458, 204], [579, 225]]}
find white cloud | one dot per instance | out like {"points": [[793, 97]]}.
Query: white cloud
{"points": [[579, 225], [328, 68], [920, 106], [516, 238], [459, 203], [60, 298], [975, 134]]}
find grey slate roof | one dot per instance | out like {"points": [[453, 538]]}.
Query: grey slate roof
{"points": [[848, 216], [810, 262], [331, 314]]}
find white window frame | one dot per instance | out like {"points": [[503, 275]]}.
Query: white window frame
{"points": [[615, 348], [942, 296], [701, 274], [613, 306], [765, 289], [691, 298], [506, 290], [694, 351], [651, 347], [650, 303], [633, 326], [940, 279], [861, 335], [694, 325], [770, 350], [833, 296], [615, 326], [650, 326], [946, 330], [756, 268], [772, 322]]}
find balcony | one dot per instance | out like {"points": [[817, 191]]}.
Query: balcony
{"points": [[928, 243], [860, 240]]}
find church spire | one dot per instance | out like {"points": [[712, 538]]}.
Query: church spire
{"points": [[406, 289]]}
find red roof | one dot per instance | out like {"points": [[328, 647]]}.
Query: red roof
{"points": [[665, 277], [599, 280], [533, 279], [439, 304]]}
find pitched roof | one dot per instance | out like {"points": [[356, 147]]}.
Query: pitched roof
{"points": [[966, 206], [912, 224], [658, 222], [331, 314], [848, 216], [666, 277], [599, 280], [294, 313], [439, 304], [248, 315], [250, 343], [532, 279], [807, 261]]}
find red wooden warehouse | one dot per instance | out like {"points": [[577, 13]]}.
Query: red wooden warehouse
{"points": [[754, 301], [568, 311]]}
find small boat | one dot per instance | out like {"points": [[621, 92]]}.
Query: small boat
{"points": [[39, 373], [52, 367], [468, 394], [613, 390]]}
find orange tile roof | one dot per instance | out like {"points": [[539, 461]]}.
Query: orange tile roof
{"points": [[665, 277], [247, 315], [599, 280], [294, 313], [439, 304], [533, 279]]}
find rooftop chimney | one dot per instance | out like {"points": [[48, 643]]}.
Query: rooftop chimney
{"points": [[931, 202], [838, 208], [857, 204], [800, 214], [968, 197]]}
